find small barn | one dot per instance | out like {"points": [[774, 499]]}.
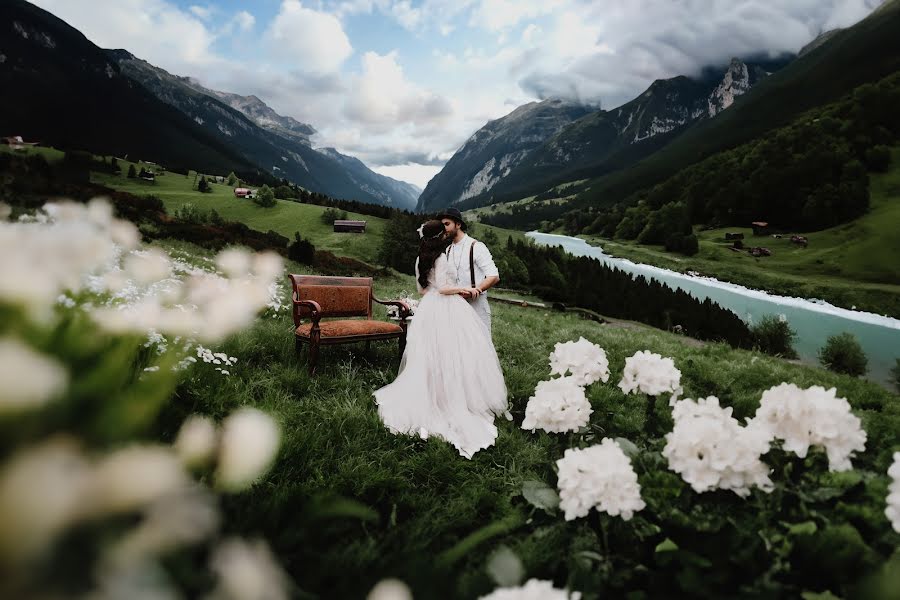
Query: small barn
{"points": [[734, 236], [760, 227], [349, 226], [243, 192]]}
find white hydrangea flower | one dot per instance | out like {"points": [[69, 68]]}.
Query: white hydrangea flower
{"points": [[558, 405], [247, 571], [892, 511], [598, 477], [196, 441], [534, 589], [651, 374], [710, 449], [250, 440], [390, 589], [811, 417], [28, 379], [148, 266], [586, 361], [234, 262]]}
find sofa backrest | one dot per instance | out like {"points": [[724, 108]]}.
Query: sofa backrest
{"points": [[338, 296]]}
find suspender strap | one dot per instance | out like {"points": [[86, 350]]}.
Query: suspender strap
{"points": [[472, 262]]}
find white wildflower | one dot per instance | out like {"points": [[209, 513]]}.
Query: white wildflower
{"points": [[892, 511], [811, 417], [558, 405], [28, 379], [133, 477], [196, 441], [268, 266], [651, 374], [250, 440], [247, 571], [598, 477], [534, 589], [710, 449], [390, 589], [586, 361]]}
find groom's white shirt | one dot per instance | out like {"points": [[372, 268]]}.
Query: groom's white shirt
{"points": [[458, 257]]}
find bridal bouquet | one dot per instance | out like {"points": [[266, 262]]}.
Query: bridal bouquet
{"points": [[412, 303]]}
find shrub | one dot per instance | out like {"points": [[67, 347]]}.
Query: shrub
{"points": [[265, 197], [190, 213], [774, 336], [132, 172], [878, 158], [203, 185], [301, 250], [285, 192], [843, 354], [330, 215]]}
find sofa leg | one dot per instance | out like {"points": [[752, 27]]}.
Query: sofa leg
{"points": [[298, 345], [313, 358]]}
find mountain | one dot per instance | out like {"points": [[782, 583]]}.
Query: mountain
{"points": [[627, 133], [278, 144], [863, 53], [262, 114], [62, 90], [495, 149]]}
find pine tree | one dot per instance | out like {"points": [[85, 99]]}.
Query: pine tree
{"points": [[132, 172], [203, 185]]}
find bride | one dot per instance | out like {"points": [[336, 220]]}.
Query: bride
{"points": [[450, 384]]}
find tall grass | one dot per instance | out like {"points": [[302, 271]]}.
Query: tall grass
{"points": [[349, 503]]}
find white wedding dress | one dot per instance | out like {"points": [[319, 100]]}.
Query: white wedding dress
{"points": [[450, 384]]}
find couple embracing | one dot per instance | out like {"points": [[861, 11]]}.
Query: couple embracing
{"points": [[450, 384]]}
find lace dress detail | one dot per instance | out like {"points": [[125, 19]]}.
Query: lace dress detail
{"points": [[450, 384]]}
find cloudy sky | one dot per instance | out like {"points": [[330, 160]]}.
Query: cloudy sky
{"points": [[402, 84]]}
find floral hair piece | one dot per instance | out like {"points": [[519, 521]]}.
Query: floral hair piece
{"points": [[420, 231]]}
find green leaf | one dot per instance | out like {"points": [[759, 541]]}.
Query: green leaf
{"points": [[804, 528], [826, 595], [505, 568], [666, 545], [628, 447], [540, 495], [331, 508]]}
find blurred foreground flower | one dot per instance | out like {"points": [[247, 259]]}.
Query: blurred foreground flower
{"points": [[893, 499], [390, 589], [534, 589]]}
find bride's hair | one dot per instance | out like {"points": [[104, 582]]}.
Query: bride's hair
{"points": [[432, 245]]}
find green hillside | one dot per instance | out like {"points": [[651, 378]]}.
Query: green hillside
{"points": [[854, 264]]}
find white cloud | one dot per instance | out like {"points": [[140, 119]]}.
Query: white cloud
{"points": [[244, 21], [203, 12], [311, 40]]}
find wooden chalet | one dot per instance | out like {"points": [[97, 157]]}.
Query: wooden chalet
{"points": [[349, 226]]}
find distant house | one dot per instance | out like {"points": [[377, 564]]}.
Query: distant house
{"points": [[244, 193], [734, 236], [16, 142], [348, 226], [760, 227], [800, 240]]}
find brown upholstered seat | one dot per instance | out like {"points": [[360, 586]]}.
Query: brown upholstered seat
{"points": [[350, 328], [317, 298]]}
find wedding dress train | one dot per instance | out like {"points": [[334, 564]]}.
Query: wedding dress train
{"points": [[450, 384]]}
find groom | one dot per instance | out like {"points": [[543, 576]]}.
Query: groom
{"points": [[471, 263]]}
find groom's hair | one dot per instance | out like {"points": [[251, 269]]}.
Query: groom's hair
{"points": [[432, 245]]}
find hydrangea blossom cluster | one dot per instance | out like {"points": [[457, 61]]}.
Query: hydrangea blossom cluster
{"points": [[811, 417], [598, 477], [651, 374], [710, 449], [534, 589], [585, 361], [557, 406], [892, 511]]}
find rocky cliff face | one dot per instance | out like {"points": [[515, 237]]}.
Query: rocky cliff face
{"points": [[541, 139]]}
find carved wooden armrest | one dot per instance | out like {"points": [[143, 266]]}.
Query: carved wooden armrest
{"points": [[314, 309], [403, 306]]}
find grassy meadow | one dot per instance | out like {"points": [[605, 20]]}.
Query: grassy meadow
{"points": [[347, 503]]}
